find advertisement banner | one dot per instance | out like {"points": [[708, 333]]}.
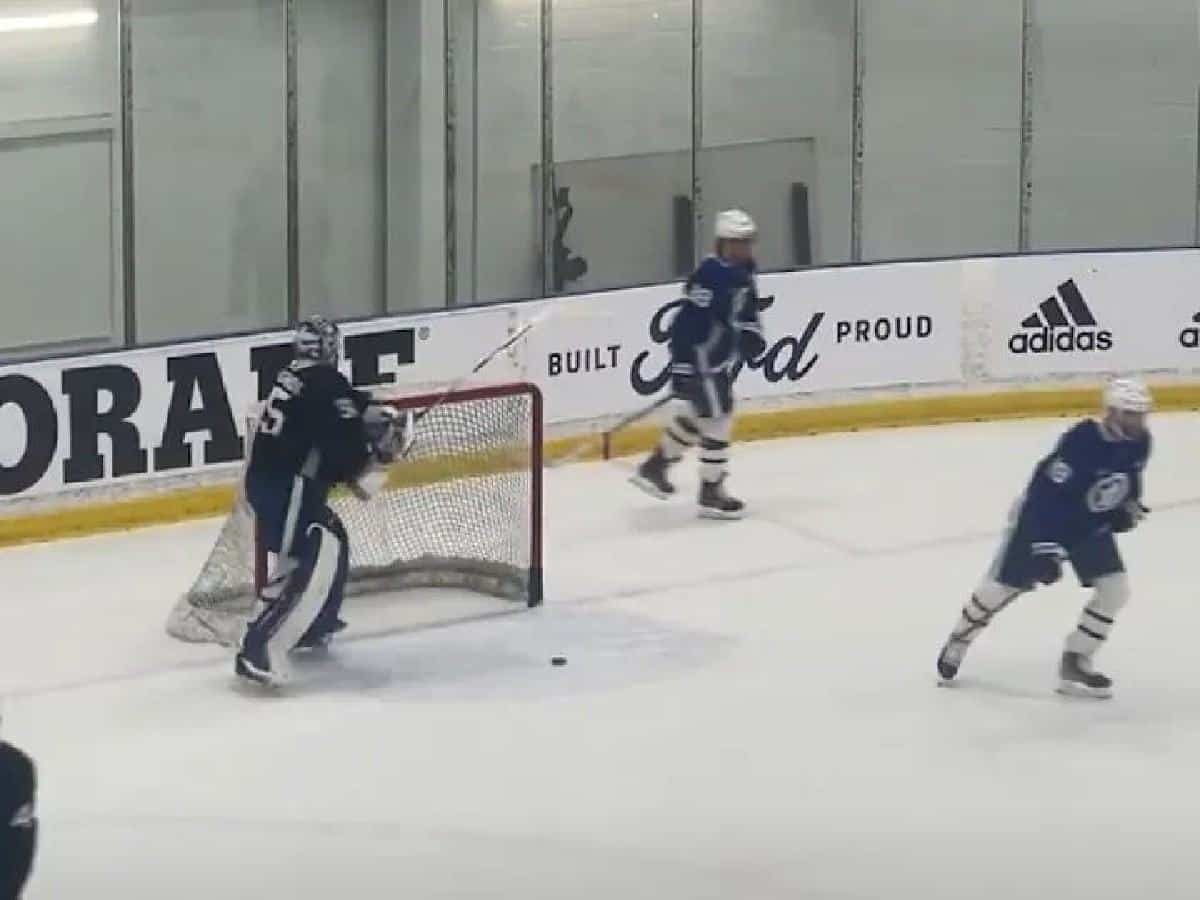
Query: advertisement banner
{"points": [[832, 329], [1102, 313], [72, 423]]}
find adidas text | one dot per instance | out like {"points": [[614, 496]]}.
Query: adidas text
{"points": [[1061, 340], [1062, 323], [1190, 337]]}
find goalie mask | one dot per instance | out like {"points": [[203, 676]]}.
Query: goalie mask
{"points": [[317, 340]]}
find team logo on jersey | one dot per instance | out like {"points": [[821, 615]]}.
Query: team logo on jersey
{"points": [[1059, 471], [1063, 323], [1190, 336], [1108, 493]]}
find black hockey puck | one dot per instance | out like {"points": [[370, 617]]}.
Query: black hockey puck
{"points": [[558, 660]]}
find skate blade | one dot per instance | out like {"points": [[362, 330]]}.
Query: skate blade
{"points": [[251, 674], [720, 514], [1082, 692], [648, 487]]}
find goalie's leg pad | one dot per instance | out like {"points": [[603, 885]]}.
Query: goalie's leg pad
{"points": [[328, 622], [308, 592]]}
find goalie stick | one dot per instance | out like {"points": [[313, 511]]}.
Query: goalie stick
{"points": [[517, 335]]}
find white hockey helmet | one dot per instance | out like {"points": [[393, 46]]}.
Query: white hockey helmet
{"points": [[1128, 395], [735, 225]]}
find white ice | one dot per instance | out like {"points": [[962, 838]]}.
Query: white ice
{"points": [[749, 708]]}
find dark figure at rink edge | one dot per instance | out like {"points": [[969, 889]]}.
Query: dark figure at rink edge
{"points": [[1087, 491], [315, 431], [18, 820], [715, 330]]}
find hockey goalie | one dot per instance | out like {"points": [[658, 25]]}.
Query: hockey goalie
{"points": [[315, 432]]}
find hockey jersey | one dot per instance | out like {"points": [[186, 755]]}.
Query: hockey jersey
{"points": [[718, 324], [312, 425], [1079, 488], [18, 819]]}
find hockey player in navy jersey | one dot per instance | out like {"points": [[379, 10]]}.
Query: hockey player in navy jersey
{"points": [[716, 329], [18, 820], [315, 431], [1081, 495]]}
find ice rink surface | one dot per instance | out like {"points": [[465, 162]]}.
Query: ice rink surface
{"points": [[749, 708]]}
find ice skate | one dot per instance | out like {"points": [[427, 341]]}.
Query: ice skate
{"points": [[317, 639], [1079, 679], [715, 503], [253, 664], [255, 669], [651, 476], [950, 659]]}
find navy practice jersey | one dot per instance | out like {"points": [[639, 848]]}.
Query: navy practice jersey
{"points": [[1078, 489], [710, 331], [18, 822], [312, 426]]}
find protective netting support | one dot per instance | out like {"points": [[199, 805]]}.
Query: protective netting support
{"points": [[463, 509]]}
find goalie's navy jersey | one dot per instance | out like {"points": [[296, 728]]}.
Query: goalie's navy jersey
{"points": [[721, 303], [1077, 489], [311, 425]]}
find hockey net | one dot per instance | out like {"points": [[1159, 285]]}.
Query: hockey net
{"points": [[462, 510]]}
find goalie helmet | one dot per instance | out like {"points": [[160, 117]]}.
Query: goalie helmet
{"points": [[1128, 395], [317, 340], [735, 225]]}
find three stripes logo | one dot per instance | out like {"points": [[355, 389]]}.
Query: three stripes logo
{"points": [[1063, 323]]}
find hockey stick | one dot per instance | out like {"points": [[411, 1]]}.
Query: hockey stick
{"points": [[517, 335], [581, 448], [487, 358]]}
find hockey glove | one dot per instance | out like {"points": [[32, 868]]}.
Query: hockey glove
{"points": [[1047, 561], [1128, 516], [389, 434], [751, 344]]}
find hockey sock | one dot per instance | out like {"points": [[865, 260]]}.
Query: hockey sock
{"points": [[680, 435], [714, 448], [1096, 620], [989, 599]]}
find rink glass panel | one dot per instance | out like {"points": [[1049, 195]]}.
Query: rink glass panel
{"points": [[776, 114], [60, 177], [941, 128], [1113, 156]]}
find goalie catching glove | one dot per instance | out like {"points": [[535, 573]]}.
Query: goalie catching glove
{"points": [[390, 433]]}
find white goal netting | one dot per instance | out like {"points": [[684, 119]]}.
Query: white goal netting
{"points": [[462, 510]]}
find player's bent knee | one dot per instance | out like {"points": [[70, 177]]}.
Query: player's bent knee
{"points": [[1112, 592]]}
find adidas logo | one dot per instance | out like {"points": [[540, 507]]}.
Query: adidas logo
{"points": [[1063, 323], [1190, 337]]}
